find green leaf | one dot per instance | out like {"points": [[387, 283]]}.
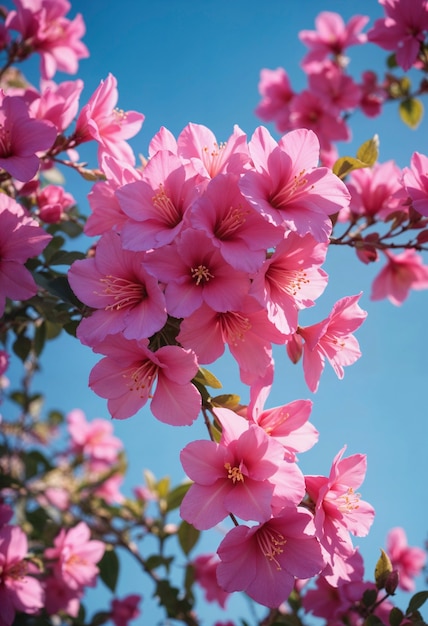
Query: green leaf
{"points": [[411, 112], [109, 569], [162, 487], [39, 338], [156, 560], [345, 165], [176, 495], [369, 597], [368, 152], [417, 601], [396, 616], [22, 347], [382, 569], [205, 377], [373, 620], [188, 536], [35, 463], [227, 400], [62, 257], [53, 246]]}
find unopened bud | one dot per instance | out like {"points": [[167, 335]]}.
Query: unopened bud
{"points": [[391, 582], [294, 348]]}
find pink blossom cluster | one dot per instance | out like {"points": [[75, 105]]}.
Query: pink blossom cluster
{"points": [[69, 567], [332, 93], [208, 246]]}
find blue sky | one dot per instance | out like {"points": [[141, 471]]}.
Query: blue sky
{"points": [[199, 61]]}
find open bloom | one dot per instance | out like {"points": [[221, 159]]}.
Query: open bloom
{"points": [[75, 556], [21, 238], [332, 339], [402, 30], [265, 560], [205, 568], [21, 137], [339, 509], [18, 591], [415, 180], [45, 29], [93, 439], [99, 119], [126, 298], [127, 373], [408, 560], [244, 474], [331, 37], [276, 92], [288, 188], [124, 610], [401, 273]]}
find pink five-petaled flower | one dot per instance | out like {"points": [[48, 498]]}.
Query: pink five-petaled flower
{"points": [[401, 273], [288, 424], [288, 188], [265, 560], [339, 509], [18, 592], [331, 37], [332, 339], [126, 298], [93, 439], [99, 119], [415, 180], [408, 560], [276, 92], [75, 556], [290, 280], [128, 372], [45, 30], [194, 271], [21, 237], [122, 611], [205, 569], [402, 30], [244, 474], [157, 204], [21, 137]]}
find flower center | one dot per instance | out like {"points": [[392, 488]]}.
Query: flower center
{"points": [[213, 160], [142, 377], [282, 196], [233, 220], [18, 570], [233, 327], [272, 423], [5, 142], [349, 501], [201, 274], [234, 473], [125, 293], [169, 212], [270, 542], [287, 281]]}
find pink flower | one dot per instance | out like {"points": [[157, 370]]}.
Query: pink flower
{"points": [[401, 273], [288, 424], [109, 126], [373, 95], [337, 90], [115, 283], [247, 332], [46, 30], [57, 103], [21, 137], [93, 439], [332, 339], [20, 238], [128, 372], [198, 144], [332, 36], [157, 204], [415, 180], [290, 280], [288, 188], [59, 597], [408, 560], [265, 560], [123, 611], [53, 202], [18, 592], [276, 92], [233, 225], [75, 556], [339, 509], [376, 191], [4, 361], [244, 474], [205, 569], [402, 30], [194, 272]]}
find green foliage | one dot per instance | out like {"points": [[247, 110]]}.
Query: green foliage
{"points": [[411, 111], [382, 569], [188, 537], [109, 569]]}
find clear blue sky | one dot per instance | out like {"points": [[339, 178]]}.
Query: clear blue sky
{"points": [[199, 61]]}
